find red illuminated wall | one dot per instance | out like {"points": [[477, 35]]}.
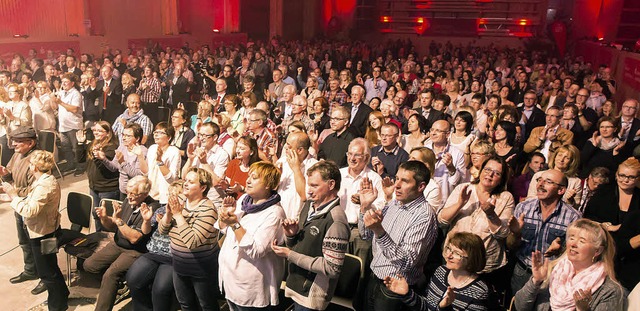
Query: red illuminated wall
{"points": [[342, 9], [596, 18]]}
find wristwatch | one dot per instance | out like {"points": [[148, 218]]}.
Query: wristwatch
{"points": [[235, 226], [119, 222], [160, 163]]}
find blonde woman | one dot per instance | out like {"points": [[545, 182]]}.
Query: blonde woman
{"points": [[44, 118], [128, 87], [582, 279], [567, 160]]}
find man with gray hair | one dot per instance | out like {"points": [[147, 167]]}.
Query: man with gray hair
{"points": [[359, 112], [334, 147], [128, 242]]}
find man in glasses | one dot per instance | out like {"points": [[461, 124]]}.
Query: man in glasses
{"points": [[375, 86], [387, 157], [335, 146], [629, 127], [546, 139], [540, 224], [205, 153]]}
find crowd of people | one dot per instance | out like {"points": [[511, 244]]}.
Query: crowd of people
{"points": [[443, 171]]}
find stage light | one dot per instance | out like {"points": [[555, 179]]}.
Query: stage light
{"points": [[523, 22], [420, 20], [216, 30], [20, 36], [385, 19]]}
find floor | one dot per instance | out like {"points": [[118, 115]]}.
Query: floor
{"points": [[84, 289]]}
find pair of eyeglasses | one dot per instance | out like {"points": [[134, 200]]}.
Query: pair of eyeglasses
{"points": [[454, 253], [541, 180], [202, 135]]}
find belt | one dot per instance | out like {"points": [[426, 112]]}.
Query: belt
{"points": [[523, 266]]}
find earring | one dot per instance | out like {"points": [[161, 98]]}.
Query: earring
{"points": [[593, 259]]}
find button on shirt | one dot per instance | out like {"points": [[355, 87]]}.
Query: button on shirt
{"points": [[291, 202], [441, 174], [411, 230], [537, 233], [67, 120], [350, 185], [218, 159]]}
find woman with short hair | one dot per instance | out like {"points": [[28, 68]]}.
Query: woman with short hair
{"points": [[130, 157], [251, 224], [42, 221], [455, 285]]}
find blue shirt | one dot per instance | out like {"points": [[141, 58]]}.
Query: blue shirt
{"points": [[537, 233]]}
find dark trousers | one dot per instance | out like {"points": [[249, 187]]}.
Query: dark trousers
{"points": [[50, 274], [25, 245], [151, 110], [7, 151], [193, 292], [69, 149], [151, 284], [116, 260], [379, 298], [521, 275], [235, 307], [97, 196]]}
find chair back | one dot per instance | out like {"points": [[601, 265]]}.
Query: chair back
{"points": [[349, 277], [164, 114], [79, 210], [47, 140], [108, 203], [191, 108]]}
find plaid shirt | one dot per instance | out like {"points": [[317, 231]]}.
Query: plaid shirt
{"points": [[152, 93], [537, 234], [264, 139], [339, 97], [411, 230]]}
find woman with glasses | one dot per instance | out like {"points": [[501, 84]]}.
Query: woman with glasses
{"points": [[204, 114], [479, 152], [130, 157], [103, 177], [250, 226], [234, 110], [581, 279], [189, 222], [44, 118], [183, 133], [617, 207], [455, 285], [483, 207], [567, 160], [603, 148], [163, 162]]}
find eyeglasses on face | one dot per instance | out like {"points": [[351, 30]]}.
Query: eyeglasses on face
{"points": [[541, 180], [447, 251], [626, 177]]}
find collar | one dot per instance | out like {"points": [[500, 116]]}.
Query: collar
{"points": [[322, 209], [362, 174], [555, 211], [394, 151], [417, 202]]}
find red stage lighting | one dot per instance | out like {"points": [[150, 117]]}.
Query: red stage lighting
{"points": [[385, 19], [523, 22], [420, 20]]}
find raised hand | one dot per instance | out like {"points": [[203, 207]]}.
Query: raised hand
{"points": [[397, 285], [80, 136], [465, 193], [596, 139], [117, 210], [377, 165], [582, 299], [554, 248], [388, 186], [146, 212], [290, 227], [191, 151], [373, 220], [292, 159], [101, 210], [516, 224], [229, 204], [174, 207], [119, 157], [488, 206], [619, 147], [368, 194], [448, 298], [539, 267]]}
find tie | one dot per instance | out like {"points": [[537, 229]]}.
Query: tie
{"points": [[105, 95], [354, 110]]}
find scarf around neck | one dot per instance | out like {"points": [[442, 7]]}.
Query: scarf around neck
{"points": [[249, 208], [564, 281]]}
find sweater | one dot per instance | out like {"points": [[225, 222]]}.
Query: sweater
{"points": [[317, 255], [533, 297]]}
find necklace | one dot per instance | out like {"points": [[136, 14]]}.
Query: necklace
{"points": [[461, 284]]}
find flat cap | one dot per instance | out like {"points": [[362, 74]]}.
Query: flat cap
{"points": [[23, 132]]}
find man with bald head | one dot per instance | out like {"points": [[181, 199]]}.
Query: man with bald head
{"points": [[294, 163], [540, 224], [629, 127], [450, 164]]}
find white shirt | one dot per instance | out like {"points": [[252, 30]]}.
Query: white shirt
{"points": [[433, 196], [160, 183], [291, 202], [445, 181], [261, 269], [351, 185], [218, 159], [69, 121]]}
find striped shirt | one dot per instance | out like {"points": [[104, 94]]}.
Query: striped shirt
{"points": [[150, 94], [264, 138], [411, 230], [537, 234], [194, 244], [473, 296]]}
